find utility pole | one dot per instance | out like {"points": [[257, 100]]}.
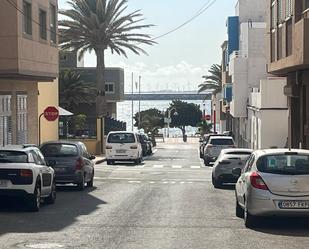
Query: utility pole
{"points": [[139, 102], [132, 105]]}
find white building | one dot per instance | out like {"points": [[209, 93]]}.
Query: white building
{"points": [[268, 114]]}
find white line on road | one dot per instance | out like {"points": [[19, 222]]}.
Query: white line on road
{"points": [[158, 166], [154, 151], [151, 182], [176, 166], [134, 181], [195, 167]]}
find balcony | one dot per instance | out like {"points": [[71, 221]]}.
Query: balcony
{"points": [[299, 58]]}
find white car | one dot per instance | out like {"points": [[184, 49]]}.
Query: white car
{"points": [[214, 146], [24, 173], [123, 146], [274, 182], [226, 162]]}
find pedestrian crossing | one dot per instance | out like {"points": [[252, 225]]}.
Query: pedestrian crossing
{"points": [[154, 166]]}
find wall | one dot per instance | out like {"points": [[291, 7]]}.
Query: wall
{"points": [[26, 55], [30, 88], [251, 10], [48, 96]]}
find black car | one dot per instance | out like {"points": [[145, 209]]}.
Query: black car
{"points": [[146, 144], [71, 161]]}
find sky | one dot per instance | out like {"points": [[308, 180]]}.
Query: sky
{"points": [[180, 59]]}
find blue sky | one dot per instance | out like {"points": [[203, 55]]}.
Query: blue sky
{"points": [[180, 59]]}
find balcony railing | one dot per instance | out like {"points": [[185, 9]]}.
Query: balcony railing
{"points": [[235, 54]]}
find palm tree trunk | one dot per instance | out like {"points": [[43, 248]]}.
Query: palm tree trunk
{"points": [[101, 107]]}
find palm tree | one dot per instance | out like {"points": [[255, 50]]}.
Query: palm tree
{"points": [[213, 81], [98, 25], [73, 91]]}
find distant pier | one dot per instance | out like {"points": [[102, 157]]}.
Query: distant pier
{"points": [[168, 96]]}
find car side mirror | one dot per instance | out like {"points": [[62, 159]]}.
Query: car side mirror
{"points": [[91, 157], [236, 172]]}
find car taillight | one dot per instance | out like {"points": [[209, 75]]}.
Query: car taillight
{"points": [[257, 181], [26, 173], [109, 147], [209, 146], [134, 147], [79, 164]]}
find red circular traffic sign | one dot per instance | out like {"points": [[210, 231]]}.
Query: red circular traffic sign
{"points": [[207, 117], [51, 113]]}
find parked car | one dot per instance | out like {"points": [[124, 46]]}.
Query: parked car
{"points": [[214, 146], [71, 161], [274, 182], [123, 146], [226, 162], [146, 144], [203, 141], [24, 174]]}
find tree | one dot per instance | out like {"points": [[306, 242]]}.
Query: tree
{"points": [[151, 120], [204, 127], [186, 114], [73, 91], [98, 25], [213, 81]]}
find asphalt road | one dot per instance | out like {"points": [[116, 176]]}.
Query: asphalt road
{"points": [[167, 202]]}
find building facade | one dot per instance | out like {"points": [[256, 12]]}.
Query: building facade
{"points": [[288, 56], [28, 69]]}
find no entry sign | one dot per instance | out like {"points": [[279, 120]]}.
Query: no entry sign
{"points": [[51, 113]]}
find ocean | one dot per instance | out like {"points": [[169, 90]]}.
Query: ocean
{"points": [[124, 112]]}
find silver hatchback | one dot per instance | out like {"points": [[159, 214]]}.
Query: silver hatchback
{"points": [[274, 182]]}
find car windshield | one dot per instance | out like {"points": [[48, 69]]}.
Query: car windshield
{"points": [[221, 141], [284, 164], [121, 138], [59, 150], [7, 156]]}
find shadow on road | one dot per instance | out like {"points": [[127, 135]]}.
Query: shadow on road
{"points": [[69, 206], [228, 187], [285, 226]]}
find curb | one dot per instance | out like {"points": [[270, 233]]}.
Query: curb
{"points": [[100, 161]]}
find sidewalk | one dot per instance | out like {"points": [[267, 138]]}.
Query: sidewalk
{"points": [[99, 159]]}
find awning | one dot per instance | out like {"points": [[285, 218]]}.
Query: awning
{"points": [[64, 112]]}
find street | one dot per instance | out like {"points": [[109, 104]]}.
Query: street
{"points": [[166, 202]]}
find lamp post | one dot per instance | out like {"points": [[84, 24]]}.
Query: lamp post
{"points": [[214, 115], [169, 119]]}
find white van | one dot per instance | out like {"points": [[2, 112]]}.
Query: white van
{"points": [[123, 146]]}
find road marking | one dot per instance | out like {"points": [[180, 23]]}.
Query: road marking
{"points": [[176, 166], [158, 166], [172, 182], [165, 182], [151, 182], [134, 181], [195, 167], [182, 182]]}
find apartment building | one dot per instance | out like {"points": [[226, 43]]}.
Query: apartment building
{"points": [[246, 55], [28, 69], [288, 56]]}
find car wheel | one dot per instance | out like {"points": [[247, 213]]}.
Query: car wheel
{"points": [[52, 197], [249, 219], [216, 183], [239, 210], [201, 155], [81, 184], [206, 162], [34, 201], [90, 183]]}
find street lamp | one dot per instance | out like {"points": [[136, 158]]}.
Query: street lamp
{"points": [[169, 119]]}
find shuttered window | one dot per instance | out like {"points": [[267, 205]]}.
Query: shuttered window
{"points": [[5, 120], [273, 17], [289, 8], [280, 15], [22, 119], [305, 4]]}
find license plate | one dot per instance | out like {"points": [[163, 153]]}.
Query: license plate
{"points": [[3, 183], [120, 151], [293, 204], [59, 170]]}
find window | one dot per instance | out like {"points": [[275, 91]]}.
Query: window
{"points": [[289, 40], [27, 18], [53, 23], [288, 8], [109, 87], [5, 120], [273, 16], [280, 16], [59, 150], [305, 4], [7, 156], [43, 31], [121, 138], [279, 42], [22, 119], [273, 46]]}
